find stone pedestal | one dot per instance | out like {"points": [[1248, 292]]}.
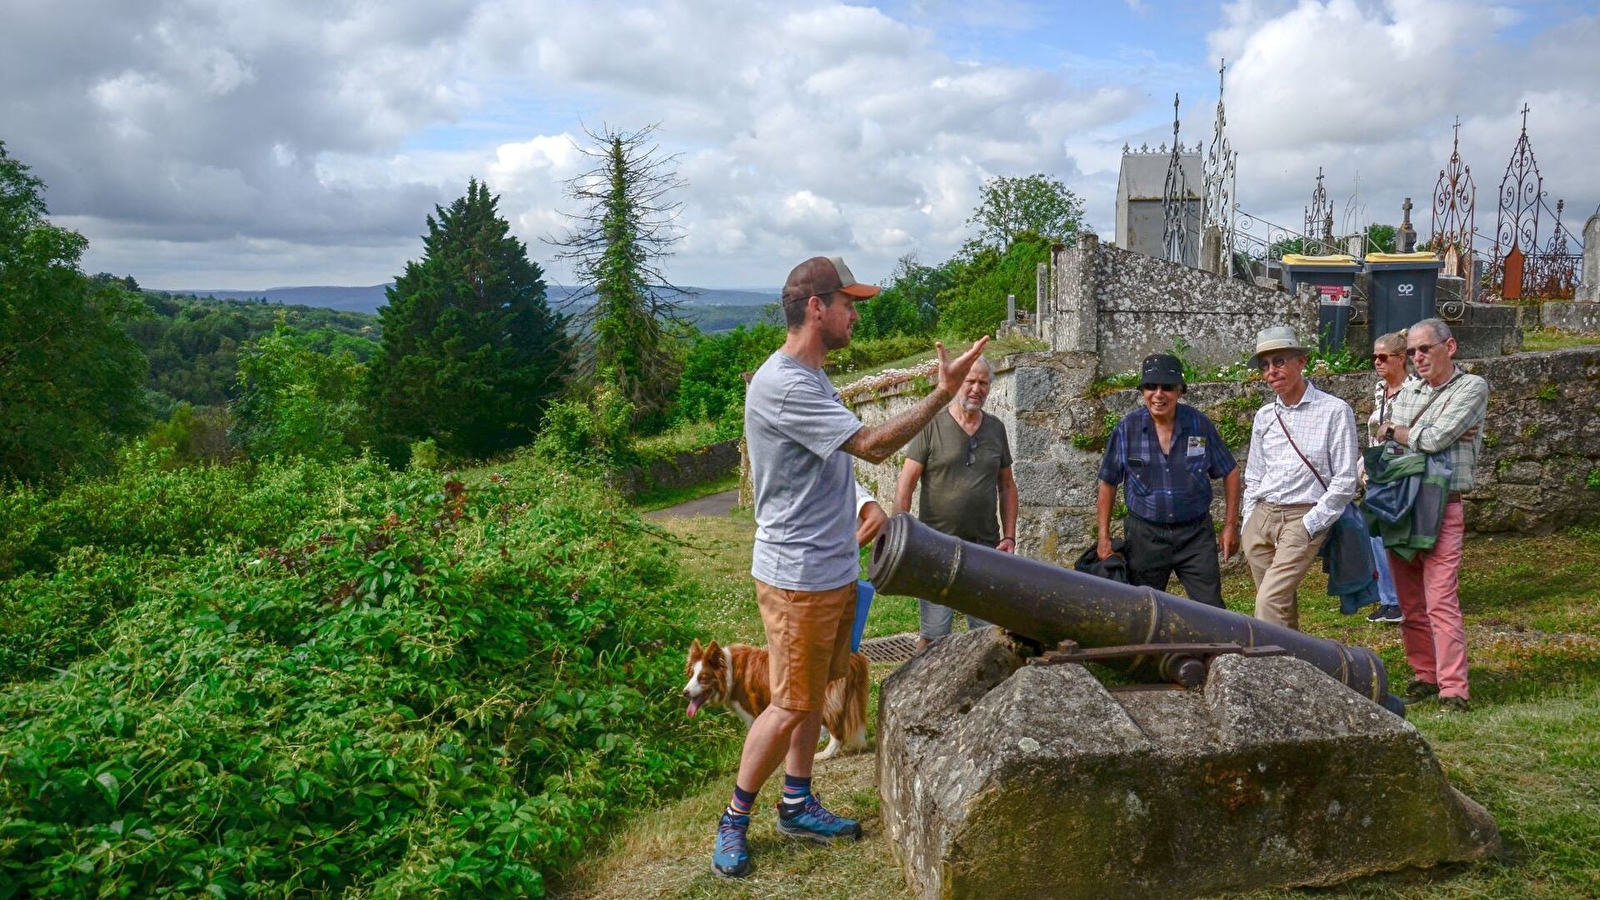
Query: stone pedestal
{"points": [[1005, 780], [1589, 275], [1487, 330]]}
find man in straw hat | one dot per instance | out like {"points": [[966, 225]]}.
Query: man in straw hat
{"points": [[801, 438], [1301, 473]]}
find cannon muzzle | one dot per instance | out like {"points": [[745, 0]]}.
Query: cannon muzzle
{"points": [[1049, 604]]}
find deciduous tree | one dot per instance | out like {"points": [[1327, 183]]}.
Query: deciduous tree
{"points": [[1009, 206], [71, 380], [471, 351]]}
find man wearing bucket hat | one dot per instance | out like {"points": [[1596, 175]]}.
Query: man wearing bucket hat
{"points": [[801, 438], [1166, 454], [1301, 473]]}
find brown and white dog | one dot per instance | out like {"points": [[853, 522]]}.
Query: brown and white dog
{"points": [[736, 676]]}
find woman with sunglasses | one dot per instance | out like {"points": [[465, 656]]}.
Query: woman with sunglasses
{"points": [[1389, 361]]}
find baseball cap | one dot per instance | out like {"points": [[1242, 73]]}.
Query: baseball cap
{"points": [[822, 275], [1162, 368]]}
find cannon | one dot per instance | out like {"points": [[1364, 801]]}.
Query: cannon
{"points": [[1167, 638]]}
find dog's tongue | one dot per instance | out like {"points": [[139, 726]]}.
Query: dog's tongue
{"points": [[695, 704]]}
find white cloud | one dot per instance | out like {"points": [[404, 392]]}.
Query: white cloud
{"points": [[276, 133], [1372, 90]]}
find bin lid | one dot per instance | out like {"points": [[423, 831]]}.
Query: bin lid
{"points": [[1420, 259], [1332, 260]]}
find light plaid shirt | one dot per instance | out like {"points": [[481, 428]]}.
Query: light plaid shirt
{"points": [[1461, 405], [1324, 428]]}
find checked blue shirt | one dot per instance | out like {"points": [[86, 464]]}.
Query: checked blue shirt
{"points": [[1166, 488]]}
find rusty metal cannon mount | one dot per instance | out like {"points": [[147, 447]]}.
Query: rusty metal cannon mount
{"points": [[1181, 665], [1048, 604]]}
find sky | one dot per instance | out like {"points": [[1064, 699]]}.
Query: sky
{"points": [[271, 143]]}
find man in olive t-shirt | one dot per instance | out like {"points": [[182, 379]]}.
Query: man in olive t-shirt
{"points": [[963, 460]]}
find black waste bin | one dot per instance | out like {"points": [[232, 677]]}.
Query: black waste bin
{"points": [[1405, 287], [1334, 277]]}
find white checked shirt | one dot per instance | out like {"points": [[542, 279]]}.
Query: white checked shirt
{"points": [[1324, 428]]}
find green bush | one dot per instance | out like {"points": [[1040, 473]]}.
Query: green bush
{"points": [[867, 354], [445, 696], [975, 302], [149, 507], [592, 430], [712, 388]]}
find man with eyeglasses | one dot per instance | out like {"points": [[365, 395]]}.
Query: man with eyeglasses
{"points": [[1301, 473], [1166, 454], [1440, 411], [963, 462]]}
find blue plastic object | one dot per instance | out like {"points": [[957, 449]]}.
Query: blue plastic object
{"points": [[864, 594]]}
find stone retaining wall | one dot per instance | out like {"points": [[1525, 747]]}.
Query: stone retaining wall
{"points": [[1540, 468], [1582, 317], [689, 468]]}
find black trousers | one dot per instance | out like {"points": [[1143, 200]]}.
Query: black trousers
{"points": [[1156, 552]]}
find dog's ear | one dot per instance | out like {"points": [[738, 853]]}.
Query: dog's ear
{"points": [[694, 649], [713, 655]]}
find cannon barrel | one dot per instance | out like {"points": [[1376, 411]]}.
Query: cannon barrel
{"points": [[1050, 604]]}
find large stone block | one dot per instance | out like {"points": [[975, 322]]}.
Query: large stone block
{"points": [[1006, 780]]}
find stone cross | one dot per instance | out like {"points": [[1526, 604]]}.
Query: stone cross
{"points": [[1405, 237], [1589, 279]]}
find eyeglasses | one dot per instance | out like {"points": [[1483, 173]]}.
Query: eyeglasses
{"points": [[1169, 388], [1422, 349], [1385, 357], [1276, 362], [972, 449]]}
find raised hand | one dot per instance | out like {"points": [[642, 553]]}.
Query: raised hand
{"points": [[954, 371]]}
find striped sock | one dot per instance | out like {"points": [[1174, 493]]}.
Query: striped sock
{"points": [[743, 802], [795, 792]]}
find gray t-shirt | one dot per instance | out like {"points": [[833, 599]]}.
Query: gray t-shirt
{"points": [[961, 476], [794, 423]]}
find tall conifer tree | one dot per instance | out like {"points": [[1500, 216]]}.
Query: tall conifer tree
{"points": [[471, 350]]}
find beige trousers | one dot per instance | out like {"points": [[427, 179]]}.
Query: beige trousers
{"points": [[1279, 553]]}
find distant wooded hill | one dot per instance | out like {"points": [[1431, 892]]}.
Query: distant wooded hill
{"points": [[711, 309], [193, 339], [193, 342]]}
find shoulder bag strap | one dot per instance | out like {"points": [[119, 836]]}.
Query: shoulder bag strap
{"points": [[1436, 394], [1314, 472]]}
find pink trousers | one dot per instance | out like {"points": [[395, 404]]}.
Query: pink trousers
{"points": [[1432, 631]]}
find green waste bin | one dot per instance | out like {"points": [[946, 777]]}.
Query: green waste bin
{"points": [[1405, 287], [1334, 277]]}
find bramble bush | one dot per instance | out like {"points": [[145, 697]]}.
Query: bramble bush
{"points": [[148, 506], [443, 694]]}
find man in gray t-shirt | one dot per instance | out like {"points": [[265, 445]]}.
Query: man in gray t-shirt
{"points": [[801, 437]]}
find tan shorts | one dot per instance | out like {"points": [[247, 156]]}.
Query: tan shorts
{"points": [[808, 641]]}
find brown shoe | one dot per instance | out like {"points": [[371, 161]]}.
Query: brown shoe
{"points": [[1454, 704]]}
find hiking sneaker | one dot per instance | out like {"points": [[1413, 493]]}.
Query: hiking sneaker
{"points": [[1419, 690], [814, 823], [731, 858], [1454, 704], [1385, 615]]}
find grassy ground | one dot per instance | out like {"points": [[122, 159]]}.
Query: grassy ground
{"points": [[1555, 339], [998, 347], [1529, 751]]}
